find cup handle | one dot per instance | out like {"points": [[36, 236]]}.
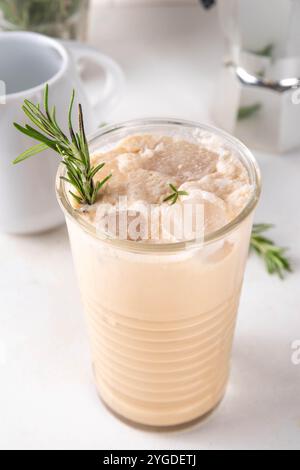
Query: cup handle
{"points": [[114, 82]]}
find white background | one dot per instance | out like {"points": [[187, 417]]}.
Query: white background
{"points": [[171, 59]]}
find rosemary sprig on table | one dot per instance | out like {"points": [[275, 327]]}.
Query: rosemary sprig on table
{"points": [[273, 256], [74, 151], [175, 195]]}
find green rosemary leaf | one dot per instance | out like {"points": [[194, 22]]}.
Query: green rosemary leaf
{"points": [[75, 177], [36, 113], [286, 262], [30, 132], [72, 133], [261, 228], [77, 198], [34, 117], [75, 160], [95, 170], [53, 117], [79, 145], [34, 134], [96, 190], [30, 153], [169, 198], [84, 144], [274, 257], [67, 180], [173, 187], [100, 184], [46, 102]]}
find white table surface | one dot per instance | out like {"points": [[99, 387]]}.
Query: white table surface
{"points": [[47, 397]]}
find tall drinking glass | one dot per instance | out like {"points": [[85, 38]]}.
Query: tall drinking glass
{"points": [[161, 317]]}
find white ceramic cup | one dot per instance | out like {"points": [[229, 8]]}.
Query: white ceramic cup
{"points": [[27, 62]]}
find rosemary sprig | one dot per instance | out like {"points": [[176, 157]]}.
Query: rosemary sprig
{"points": [[273, 256], [74, 151], [175, 195]]}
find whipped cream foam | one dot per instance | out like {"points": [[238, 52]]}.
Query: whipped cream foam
{"points": [[144, 166]]}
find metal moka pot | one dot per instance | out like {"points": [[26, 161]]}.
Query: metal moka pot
{"points": [[258, 97]]}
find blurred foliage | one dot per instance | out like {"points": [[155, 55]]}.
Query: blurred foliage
{"points": [[266, 51], [26, 14], [246, 112]]}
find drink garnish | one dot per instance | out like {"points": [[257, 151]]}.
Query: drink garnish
{"points": [[73, 150]]}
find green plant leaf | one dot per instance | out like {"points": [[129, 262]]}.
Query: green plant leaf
{"points": [[30, 153]]}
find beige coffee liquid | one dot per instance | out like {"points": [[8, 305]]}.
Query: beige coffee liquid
{"points": [[161, 323]]}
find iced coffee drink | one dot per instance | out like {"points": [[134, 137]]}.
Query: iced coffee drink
{"points": [[161, 300]]}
